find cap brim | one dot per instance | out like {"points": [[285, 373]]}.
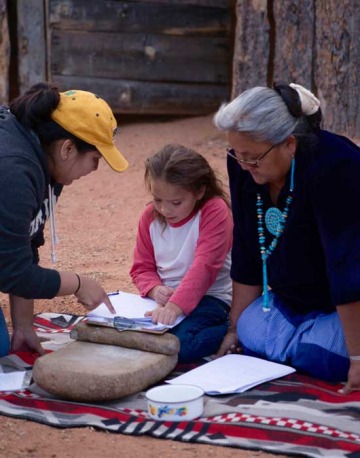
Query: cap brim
{"points": [[113, 157]]}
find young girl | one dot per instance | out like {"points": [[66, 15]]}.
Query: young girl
{"points": [[182, 252]]}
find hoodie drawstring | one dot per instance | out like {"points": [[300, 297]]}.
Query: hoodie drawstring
{"points": [[54, 239]]}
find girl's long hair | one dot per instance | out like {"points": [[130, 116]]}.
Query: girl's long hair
{"points": [[184, 167]]}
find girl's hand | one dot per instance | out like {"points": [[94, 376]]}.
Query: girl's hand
{"points": [[230, 344], [166, 314], [91, 294], [26, 340], [161, 294], [353, 383]]}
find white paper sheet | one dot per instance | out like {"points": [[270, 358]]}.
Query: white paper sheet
{"points": [[131, 306], [232, 374], [12, 381]]}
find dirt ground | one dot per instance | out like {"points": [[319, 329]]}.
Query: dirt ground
{"points": [[96, 221]]}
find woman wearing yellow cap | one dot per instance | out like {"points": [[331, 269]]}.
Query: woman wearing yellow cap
{"points": [[48, 139]]}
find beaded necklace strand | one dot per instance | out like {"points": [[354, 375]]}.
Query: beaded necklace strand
{"points": [[275, 221]]}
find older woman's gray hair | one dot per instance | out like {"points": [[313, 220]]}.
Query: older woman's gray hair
{"points": [[259, 112]]}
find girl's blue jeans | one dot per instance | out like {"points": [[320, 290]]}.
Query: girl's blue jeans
{"points": [[203, 330], [4, 336]]}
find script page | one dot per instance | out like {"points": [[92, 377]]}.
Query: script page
{"points": [[12, 381], [131, 306], [126, 304], [232, 373]]}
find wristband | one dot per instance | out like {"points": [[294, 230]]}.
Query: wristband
{"points": [[79, 283], [354, 358]]}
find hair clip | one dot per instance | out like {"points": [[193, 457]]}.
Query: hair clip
{"points": [[122, 324]]}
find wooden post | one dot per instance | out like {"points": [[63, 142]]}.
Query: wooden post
{"points": [[31, 42], [337, 75], [294, 34], [251, 53], [313, 43], [4, 54]]}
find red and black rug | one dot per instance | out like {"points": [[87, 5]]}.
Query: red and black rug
{"points": [[294, 415]]}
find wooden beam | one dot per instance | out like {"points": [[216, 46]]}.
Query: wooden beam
{"points": [[139, 17], [207, 3], [140, 56], [143, 97]]}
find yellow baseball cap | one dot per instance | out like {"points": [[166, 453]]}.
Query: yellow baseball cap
{"points": [[90, 118]]}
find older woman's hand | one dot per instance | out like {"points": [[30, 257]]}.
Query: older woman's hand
{"points": [[229, 345], [353, 383]]}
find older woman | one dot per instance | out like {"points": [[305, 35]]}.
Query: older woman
{"points": [[296, 257]]}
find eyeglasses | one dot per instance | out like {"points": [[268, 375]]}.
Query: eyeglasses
{"points": [[253, 163]]}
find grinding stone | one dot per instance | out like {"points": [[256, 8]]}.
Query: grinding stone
{"points": [[90, 372], [166, 344]]}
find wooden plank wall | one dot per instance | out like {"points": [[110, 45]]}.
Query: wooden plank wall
{"points": [[315, 43], [31, 43], [149, 56]]}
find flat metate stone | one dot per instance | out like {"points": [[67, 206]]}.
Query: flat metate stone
{"points": [[90, 372]]}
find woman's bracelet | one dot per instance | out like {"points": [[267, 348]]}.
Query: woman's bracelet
{"points": [[79, 283], [354, 358]]}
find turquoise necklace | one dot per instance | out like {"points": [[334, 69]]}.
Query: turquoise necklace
{"points": [[275, 222]]}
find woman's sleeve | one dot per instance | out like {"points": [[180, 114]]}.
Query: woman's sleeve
{"points": [[213, 245], [335, 193], [19, 272], [245, 260], [143, 271]]}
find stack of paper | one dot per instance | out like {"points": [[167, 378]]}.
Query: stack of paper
{"points": [[131, 306], [232, 374], [12, 381]]}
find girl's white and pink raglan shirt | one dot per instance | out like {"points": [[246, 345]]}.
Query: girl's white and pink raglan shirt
{"points": [[192, 256]]}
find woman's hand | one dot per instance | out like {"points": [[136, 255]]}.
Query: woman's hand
{"points": [[166, 314], [243, 295], [353, 383], [24, 337], [161, 294], [26, 340], [350, 319], [91, 294], [229, 345]]}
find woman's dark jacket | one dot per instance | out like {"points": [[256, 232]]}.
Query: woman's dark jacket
{"points": [[316, 264], [24, 208]]}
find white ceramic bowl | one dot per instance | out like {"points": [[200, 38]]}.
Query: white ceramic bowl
{"points": [[175, 402]]}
